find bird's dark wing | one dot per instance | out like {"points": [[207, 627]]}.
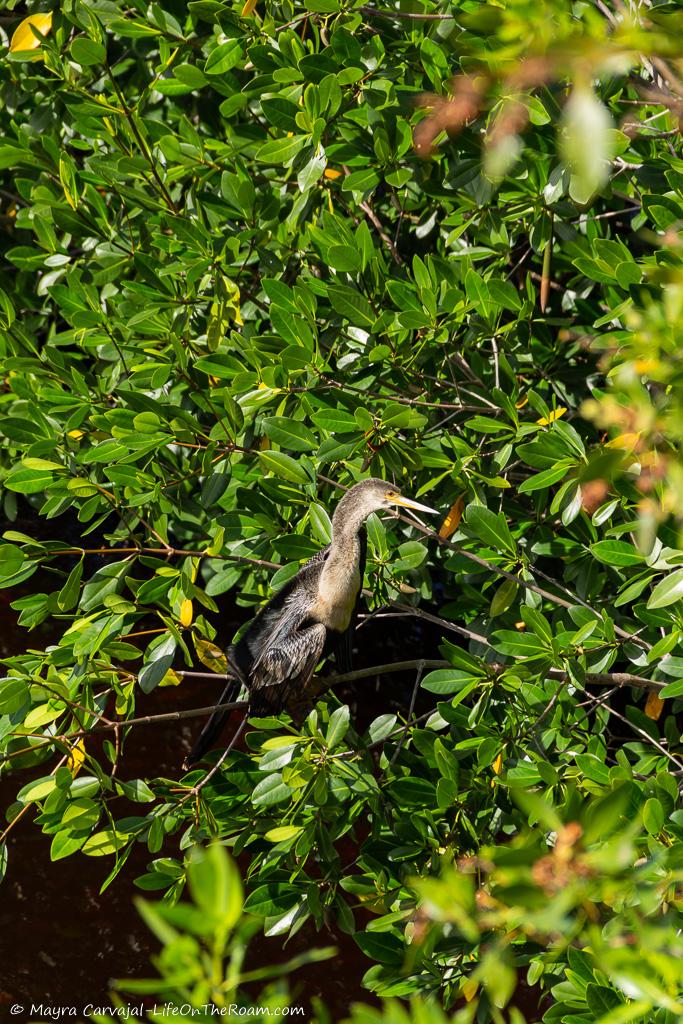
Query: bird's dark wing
{"points": [[259, 661], [284, 667], [343, 650], [269, 618]]}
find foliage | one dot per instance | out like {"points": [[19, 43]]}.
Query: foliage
{"points": [[204, 944], [247, 250]]}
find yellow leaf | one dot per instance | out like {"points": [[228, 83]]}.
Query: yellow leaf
{"points": [[452, 520], [185, 617], [210, 655], [76, 758], [76, 434], [624, 442], [498, 764], [646, 366], [248, 8], [331, 174], [282, 833], [171, 679], [469, 989], [654, 705], [24, 39], [554, 415]]}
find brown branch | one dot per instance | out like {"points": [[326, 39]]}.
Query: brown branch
{"points": [[29, 804], [613, 679], [173, 716], [593, 678], [376, 222], [166, 552], [373, 12], [130, 117], [548, 595]]}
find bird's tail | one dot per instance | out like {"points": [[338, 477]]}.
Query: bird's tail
{"points": [[214, 726]]}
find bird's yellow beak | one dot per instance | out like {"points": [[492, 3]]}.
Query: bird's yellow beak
{"points": [[409, 503]]}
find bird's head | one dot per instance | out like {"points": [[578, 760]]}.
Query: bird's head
{"points": [[373, 495]]}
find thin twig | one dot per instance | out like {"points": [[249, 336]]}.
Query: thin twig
{"points": [[373, 12], [209, 775], [646, 736], [130, 117], [29, 804], [494, 346], [166, 552], [401, 742], [521, 582], [374, 219]]}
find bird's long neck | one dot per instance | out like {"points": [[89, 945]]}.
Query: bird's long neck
{"points": [[346, 522], [342, 561], [340, 579]]}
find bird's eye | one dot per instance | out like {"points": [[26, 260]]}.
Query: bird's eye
{"points": [[390, 495]]}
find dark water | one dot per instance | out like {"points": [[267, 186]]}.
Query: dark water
{"points": [[62, 942]]}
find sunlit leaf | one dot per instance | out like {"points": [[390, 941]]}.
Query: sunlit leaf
{"points": [[24, 38]]}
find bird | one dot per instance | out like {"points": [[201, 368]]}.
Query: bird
{"points": [[314, 614]]}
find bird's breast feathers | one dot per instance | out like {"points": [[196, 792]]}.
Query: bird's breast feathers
{"points": [[337, 593]]}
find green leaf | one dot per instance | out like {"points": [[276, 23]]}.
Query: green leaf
{"points": [[520, 645], [38, 789], [587, 145], [337, 421], [284, 466], [271, 790], [290, 434], [490, 527], [672, 689], [616, 553], [337, 727], [87, 52], [351, 305], [653, 816], [280, 112], [503, 598], [158, 660], [593, 768], [215, 884], [11, 560], [668, 591], [271, 900], [283, 833], [224, 57], [547, 478], [281, 151]]}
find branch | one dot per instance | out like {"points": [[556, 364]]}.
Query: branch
{"points": [[130, 117], [609, 679], [446, 542], [172, 716], [592, 678], [30, 803], [374, 219], [165, 552], [373, 12]]}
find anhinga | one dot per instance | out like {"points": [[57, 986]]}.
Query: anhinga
{"points": [[312, 615]]}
